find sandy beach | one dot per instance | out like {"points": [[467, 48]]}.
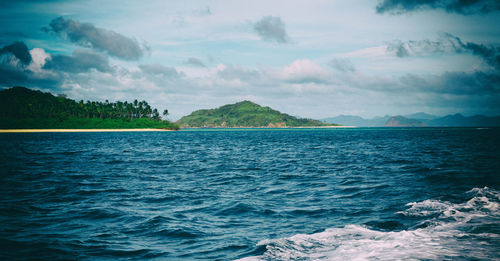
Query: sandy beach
{"points": [[76, 130]]}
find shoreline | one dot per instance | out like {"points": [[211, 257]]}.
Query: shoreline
{"points": [[304, 127], [77, 130], [155, 130]]}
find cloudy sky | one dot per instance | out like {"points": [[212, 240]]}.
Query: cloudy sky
{"points": [[315, 59]]}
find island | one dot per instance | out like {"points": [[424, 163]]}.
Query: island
{"points": [[245, 114], [25, 109]]}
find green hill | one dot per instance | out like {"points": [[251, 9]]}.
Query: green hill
{"points": [[244, 114], [22, 108]]}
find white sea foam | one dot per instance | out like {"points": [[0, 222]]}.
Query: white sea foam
{"points": [[445, 233]]}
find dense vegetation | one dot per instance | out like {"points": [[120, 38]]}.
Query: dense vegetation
{"points": [[244, 114], [24, 108]]}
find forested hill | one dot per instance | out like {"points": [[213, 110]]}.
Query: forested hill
{"points": [[244, 114], [21, 107]]}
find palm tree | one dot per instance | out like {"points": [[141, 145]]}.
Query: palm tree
{"points": [[156, 115], [119, 109], [135, 108], [142, 109], [130, 110], [148, 111]]}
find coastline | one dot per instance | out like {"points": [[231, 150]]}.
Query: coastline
{"points": [[323, 127], [77, 130], [154, 130], [303, 127]]}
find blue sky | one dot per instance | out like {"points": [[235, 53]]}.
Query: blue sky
{"points": [[312, 59]]}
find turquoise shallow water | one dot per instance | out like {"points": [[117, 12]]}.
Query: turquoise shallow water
{"points": [[258, 194]]}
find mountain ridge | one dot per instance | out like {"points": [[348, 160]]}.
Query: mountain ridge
{"points": [[450, 120]]}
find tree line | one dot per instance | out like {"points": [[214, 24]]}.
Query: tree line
{"points": [[21, 102]]}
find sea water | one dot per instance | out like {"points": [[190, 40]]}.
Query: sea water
{"points": [[298, 194]]}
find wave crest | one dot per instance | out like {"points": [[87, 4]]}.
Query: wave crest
{"points": [[457, 231]]}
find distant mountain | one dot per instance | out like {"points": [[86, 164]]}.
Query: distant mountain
{"points": [[350, 120], [421, 116], [458, 120], [400, 121], [417, 119], [346, 119], [244, 114]]}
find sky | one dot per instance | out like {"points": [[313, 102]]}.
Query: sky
{"points": [[312, 59]]}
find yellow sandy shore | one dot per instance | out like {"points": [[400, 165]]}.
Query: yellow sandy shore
{"points": [[76, 130]]}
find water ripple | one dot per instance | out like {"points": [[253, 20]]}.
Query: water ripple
{"points": [[257, 194]]}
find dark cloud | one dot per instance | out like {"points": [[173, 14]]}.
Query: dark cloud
{"points": [[19, 50], [464, 7], [14, 69], [29, 79], [398, 48], [476, 83], [80, 61], [161, 70], [271, 29], [456, 83], [342, 65], [14, 73], [490, 54], [87, 35], [13, 61], [447, 43], [404, 49], [8, 3], [194, 62], [11, 76]]}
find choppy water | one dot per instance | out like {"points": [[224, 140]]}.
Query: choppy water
{"points": [[338, 194]]}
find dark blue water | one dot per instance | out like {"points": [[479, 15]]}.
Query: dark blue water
{"points": [[251, 194]]}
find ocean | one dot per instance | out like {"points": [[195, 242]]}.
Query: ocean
{"points": [[252, 194]]}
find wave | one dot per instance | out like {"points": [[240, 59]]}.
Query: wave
{"points": [[467, 230]]}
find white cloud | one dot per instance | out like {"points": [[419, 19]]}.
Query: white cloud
{"points": [[305, 71], [39, 58]]}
